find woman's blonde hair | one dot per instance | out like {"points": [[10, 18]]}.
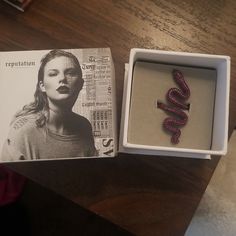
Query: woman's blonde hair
{"points": [[40, 103]]}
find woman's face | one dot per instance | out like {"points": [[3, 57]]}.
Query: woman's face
{"points": [[62, 79]]}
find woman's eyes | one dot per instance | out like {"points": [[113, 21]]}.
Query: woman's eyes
{"points": [[53, 73], [70, 73]]}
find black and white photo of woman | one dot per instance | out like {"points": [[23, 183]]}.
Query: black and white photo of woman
{"points": [[47, 128]]}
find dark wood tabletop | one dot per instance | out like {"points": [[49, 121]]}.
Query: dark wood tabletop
{"points": [[146, 195]]}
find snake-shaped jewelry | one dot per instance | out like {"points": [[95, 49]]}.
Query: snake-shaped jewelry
{"points": [[183, 94]]}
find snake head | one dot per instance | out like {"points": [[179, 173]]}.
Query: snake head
{"points": [[177, 73]]}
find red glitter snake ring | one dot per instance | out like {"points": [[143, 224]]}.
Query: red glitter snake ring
{"points": [[176, 97]]}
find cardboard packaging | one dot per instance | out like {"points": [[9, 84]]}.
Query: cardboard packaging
{"points": [[148, 76], [147, 79], [80, 82]]}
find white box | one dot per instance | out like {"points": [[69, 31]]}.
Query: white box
{"points": [[221, 106]]}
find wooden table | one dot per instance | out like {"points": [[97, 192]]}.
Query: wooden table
{"points": [[145, 195]]}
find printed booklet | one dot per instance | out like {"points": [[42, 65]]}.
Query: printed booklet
{"points": [[57, 104]]}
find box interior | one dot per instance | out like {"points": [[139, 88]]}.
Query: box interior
{"points": [[150, 83], [221, 109]]}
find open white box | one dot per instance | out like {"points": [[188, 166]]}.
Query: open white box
{"points": [[221, 106]]}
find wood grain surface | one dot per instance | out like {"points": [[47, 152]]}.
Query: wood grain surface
{"points": [[144, 195]]}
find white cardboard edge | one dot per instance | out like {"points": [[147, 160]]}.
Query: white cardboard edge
{"points": [[114, 107], [121, 137], [226, 128], [174, 53]]}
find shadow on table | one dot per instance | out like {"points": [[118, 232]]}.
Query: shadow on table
{"points": [[40, 211]]}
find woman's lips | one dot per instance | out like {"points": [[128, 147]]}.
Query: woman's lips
{"points": [[63, 89]]}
